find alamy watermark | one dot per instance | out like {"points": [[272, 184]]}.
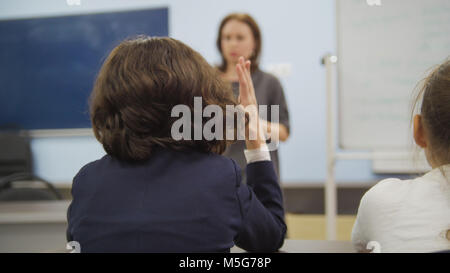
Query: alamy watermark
{"points": [[374, 247], [213, 129], [74, 246]]}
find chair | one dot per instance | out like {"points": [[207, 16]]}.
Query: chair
{"points": [[17, 182]]}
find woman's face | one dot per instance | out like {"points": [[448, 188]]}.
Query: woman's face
{"points": [[236, 40]]}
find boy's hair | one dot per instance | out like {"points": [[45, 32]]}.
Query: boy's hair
{"points": [[138, 85], [435, 112]]}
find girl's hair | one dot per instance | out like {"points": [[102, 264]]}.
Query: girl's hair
{"points": [[246, 19], [435, 112], [138, 85]]}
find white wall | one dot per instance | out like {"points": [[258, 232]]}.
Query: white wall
{"points": [[296, 32]]}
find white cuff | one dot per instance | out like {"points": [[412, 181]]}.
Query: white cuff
{"points": [[255, 155]]}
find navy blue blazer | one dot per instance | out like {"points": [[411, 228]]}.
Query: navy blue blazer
{"points": [[176, 202]]}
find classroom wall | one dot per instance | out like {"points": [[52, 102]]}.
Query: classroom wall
{"points": [[296, 34]]}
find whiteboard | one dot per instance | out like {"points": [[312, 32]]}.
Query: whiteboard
{"points": [[383, 52]]}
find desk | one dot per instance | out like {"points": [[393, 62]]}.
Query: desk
{"points": [[41, 227], [310, 246], [33, 226]]}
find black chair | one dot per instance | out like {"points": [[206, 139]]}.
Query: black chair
{"points": [[17, 181]]}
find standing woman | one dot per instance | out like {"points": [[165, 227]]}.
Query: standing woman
{"points": [[239, 35]]}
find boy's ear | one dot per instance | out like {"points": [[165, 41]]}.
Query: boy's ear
{"points": [[419, 133]]}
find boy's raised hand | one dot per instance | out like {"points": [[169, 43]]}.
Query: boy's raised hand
{"points": [[246, 90], [247, 99]]}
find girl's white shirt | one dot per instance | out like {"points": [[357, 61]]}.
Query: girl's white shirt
{"points": [[405, 215]]}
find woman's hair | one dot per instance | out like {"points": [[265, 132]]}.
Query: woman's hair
{"points": [[435, 112], [139, 83], [247, 19]]}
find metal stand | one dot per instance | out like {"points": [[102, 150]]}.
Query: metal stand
{"points": [[330, 61], [330, 186]]}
